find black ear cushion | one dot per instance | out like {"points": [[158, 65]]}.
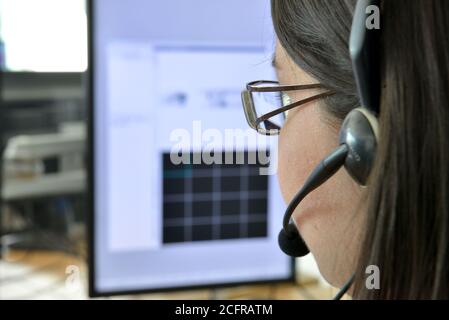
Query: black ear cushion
{"points": [[292, 243], [359, 133]]}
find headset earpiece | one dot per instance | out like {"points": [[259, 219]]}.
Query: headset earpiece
{"points": [[359, 132]]}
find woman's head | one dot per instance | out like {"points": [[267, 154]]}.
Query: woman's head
{"points": [[400, 222]]}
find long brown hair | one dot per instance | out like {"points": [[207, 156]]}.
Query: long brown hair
{"points": [[407, 221]]}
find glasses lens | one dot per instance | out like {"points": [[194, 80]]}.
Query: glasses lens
{"points": [[266, 102]]}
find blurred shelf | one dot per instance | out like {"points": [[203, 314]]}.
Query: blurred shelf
{"points": [[45, 186], [34, 86]]}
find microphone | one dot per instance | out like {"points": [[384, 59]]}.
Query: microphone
{"points": [[289, 239]]}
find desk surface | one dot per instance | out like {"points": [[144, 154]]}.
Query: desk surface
{"points": [[52, 275]]}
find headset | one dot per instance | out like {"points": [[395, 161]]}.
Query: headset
{"points": [[359, 133]]}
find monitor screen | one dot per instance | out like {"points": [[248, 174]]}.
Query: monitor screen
{"points": [[183, 193]]}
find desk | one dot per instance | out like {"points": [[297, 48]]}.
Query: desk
{"points": [[53, 275]]}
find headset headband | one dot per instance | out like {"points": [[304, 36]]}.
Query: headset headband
{"points": [[364, 49]]}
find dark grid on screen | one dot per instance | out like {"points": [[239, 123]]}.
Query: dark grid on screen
{"points": [[215, 202]]}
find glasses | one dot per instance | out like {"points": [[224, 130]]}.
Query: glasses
{"points": [[267, 103]]}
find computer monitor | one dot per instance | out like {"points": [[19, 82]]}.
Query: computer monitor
{"points": [[165, 80]]}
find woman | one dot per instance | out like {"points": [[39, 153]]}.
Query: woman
{"points": [[400, 222]]}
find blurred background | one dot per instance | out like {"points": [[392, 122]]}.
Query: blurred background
{"points": [[43, 61]]}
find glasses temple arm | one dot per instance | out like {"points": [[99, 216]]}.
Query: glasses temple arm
{"points": [[293, 105]]}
